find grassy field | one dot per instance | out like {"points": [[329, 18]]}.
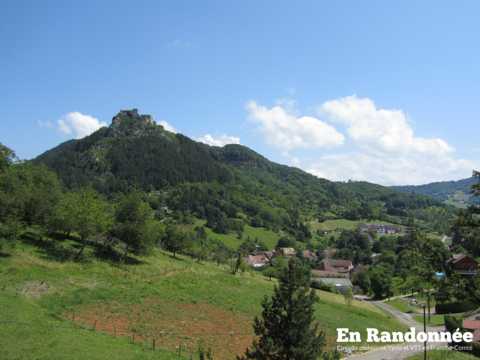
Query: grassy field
{"points": [[402, 305], [342, 224], [268, 237], [231, 240], [444, 355], [435, 320], [92, 310]]}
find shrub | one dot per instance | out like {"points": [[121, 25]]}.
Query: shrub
{"points": [[455, 307]]}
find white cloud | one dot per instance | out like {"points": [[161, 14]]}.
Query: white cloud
{"points": [[382, 146], [287, 131], [390, 170], [79, 125], [385, 148], [221, 140], [167, 126], [380, 129]]}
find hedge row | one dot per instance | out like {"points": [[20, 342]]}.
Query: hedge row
{"points": [[455, 307]]}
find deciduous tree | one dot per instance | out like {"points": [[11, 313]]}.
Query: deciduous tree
{"points": [[133, 224]]}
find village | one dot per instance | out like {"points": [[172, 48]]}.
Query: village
{"points": [[327, 269], [328, 272]]}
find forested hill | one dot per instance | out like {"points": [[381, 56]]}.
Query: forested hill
{"points": [[193, 177], [457, 193]]}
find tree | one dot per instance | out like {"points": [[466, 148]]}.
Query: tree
{"points": [[348, 296], [64, 218], [354, 245], [175, 240], [84, 212], [201, 246], [286, 329], [237, 263], [269, 272], [381, 282], [476, 187], [29, 193], [285, 241], [466, 230], [6, 157], [221, 253], [279, 263], [133, 219], [362, 280], [10, 229], [154, 233]]}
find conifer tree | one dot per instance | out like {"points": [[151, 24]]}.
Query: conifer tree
{"points": [[286, 330]]}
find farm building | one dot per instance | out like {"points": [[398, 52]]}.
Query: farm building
{"points": [[463, 264], [474, 327], [335, 265], [257, 261], [380, 229], [286, 251]]}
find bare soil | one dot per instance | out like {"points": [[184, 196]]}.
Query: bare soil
{"points": [[172, 325]]}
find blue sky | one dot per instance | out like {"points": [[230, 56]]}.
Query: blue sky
{"points": [[370, 90]]}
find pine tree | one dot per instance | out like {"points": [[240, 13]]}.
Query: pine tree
{"points": [[286, 330]]}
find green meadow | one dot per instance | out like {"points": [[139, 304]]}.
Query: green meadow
{"points": [[95, 309], [231, 240]]}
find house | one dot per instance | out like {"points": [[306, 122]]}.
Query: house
{"points": [[380, 229], [259, 258], [324, 274], [463, 264], [309, 255], [257, 261], [336, 266], [474, 327], [269, 254], [334, 272], [286, 251]]}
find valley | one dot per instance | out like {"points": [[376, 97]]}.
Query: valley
{"points": [[138, 243]]}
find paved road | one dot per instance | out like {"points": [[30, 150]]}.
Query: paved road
{"points": [[401, 351]]}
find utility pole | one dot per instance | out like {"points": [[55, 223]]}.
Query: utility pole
{"points": [[425, 331], [428, 304]]}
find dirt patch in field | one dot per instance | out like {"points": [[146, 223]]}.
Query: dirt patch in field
{"points": [[34, 289], [172, 325]]}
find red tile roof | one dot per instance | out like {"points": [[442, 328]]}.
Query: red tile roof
{"points": [[471, 324]]}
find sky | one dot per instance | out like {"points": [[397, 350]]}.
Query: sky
{"points": [[364, 90]]}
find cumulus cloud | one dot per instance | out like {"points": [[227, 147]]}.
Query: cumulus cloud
{"points": [[220, 140], [389, 170], [385, 148], [380, 129], [285, 130], [380, 145], [167, 126], [79, 125]]}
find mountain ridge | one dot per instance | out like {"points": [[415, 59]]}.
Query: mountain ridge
{"points": [[135, 152], [455, 192]]}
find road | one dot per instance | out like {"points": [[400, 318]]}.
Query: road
{"points": [[400, 351]]}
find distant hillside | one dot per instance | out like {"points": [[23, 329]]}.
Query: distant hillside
{"points": [[456, 193], [215, 183]]}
